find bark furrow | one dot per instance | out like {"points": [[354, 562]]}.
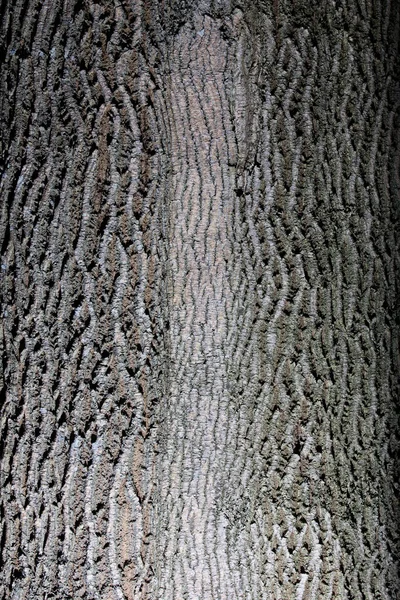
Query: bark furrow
{"points": [[199, 280]]}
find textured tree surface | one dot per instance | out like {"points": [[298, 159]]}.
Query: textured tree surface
{"points": [[199, 269]]}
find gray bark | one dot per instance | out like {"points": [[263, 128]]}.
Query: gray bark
{"points": [[199, 272]]}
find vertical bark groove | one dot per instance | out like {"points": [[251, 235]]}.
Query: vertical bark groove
{"points": [[199, 274]]}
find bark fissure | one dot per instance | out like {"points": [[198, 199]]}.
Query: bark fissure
{"points": [[199, 275]]}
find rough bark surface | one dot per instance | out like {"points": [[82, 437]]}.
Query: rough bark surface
{"points": [[199, 271]]}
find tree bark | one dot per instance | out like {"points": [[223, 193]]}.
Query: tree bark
{"points": [[199, 273]]}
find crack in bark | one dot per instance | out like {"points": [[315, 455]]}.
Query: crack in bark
{"points": [[199, 272]]}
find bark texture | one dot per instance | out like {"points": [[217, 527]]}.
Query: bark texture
{"points": [[199, 273]]}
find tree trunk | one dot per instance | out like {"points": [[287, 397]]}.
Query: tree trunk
{"points": [[199, 269]]}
